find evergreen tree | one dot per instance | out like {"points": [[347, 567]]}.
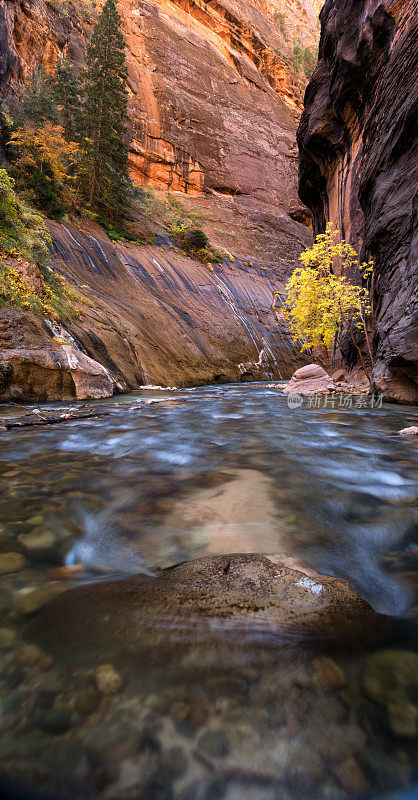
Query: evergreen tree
{"points": [[105, 177], [37, 103], [67, 95]]}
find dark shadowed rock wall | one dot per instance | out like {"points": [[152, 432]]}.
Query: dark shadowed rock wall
{"points": [[359, 163]]}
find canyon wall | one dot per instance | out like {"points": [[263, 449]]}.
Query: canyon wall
{"points": [[214, 93], [358, 163], [155, 316], [214, 102]]}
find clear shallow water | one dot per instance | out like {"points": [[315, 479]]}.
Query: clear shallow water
{"points": [[211, 470]]}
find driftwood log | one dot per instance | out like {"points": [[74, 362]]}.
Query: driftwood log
{"points": [[50, 418]]}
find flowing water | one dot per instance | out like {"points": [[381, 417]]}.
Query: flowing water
{"points": [[170, 476]]}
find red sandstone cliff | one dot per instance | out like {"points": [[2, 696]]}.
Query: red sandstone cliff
{"points": [[359, 164], [214, 94], [214, 105]]}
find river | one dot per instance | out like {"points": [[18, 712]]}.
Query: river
{"points": [[170, 476]]}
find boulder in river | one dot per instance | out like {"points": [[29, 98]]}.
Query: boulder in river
{"points": [[216, 610], [310, 379]]}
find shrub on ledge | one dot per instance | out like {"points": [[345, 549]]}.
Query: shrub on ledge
{"points": [[27, 281]]}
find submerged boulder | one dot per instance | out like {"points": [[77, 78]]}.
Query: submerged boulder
{"points": [[216, 610], [390, 678]]}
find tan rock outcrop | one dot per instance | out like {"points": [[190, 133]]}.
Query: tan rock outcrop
{"points": [[35, 366], [310, 379]]}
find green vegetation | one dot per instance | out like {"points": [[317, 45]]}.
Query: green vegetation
{"points": [[23, 243], [104, 173], [85, 9], [115, 232], [79, 124], [21, 231], [322, 299], [280, 19], [38, 103], [179, 223], [197, 239], [309, 62], [68, 151], [67, 93], [297, 54], [303, 57], [42, 167]]}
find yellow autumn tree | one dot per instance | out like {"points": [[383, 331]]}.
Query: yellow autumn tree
{"points": [[27, 280], [321, 297], [44, 147], [44, 167]]}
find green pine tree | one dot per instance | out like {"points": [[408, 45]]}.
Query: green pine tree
{"points": [[105, 177], [37, 102], [67, 95]]}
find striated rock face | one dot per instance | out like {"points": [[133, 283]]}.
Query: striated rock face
{"points": [[156, 317], [358, 164]]}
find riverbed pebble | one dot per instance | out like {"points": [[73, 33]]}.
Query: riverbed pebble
{"points": [[338, 742], [180, 711], [53, 720], [350, 775], [45, 663], [94, 719], [30, 599], [52, 683], [391, 676], [403, 719], [35, 520], [7, 637], [213, 743], [67, 572], [40, 544], [107, 679], [13, 676], [328, 674], [11, 562], [5, 602], [173, 761], [87, 699], [300, 762], [27, 655]]}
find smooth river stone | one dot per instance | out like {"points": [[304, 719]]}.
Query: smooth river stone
{"points": [[216, 610]]}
